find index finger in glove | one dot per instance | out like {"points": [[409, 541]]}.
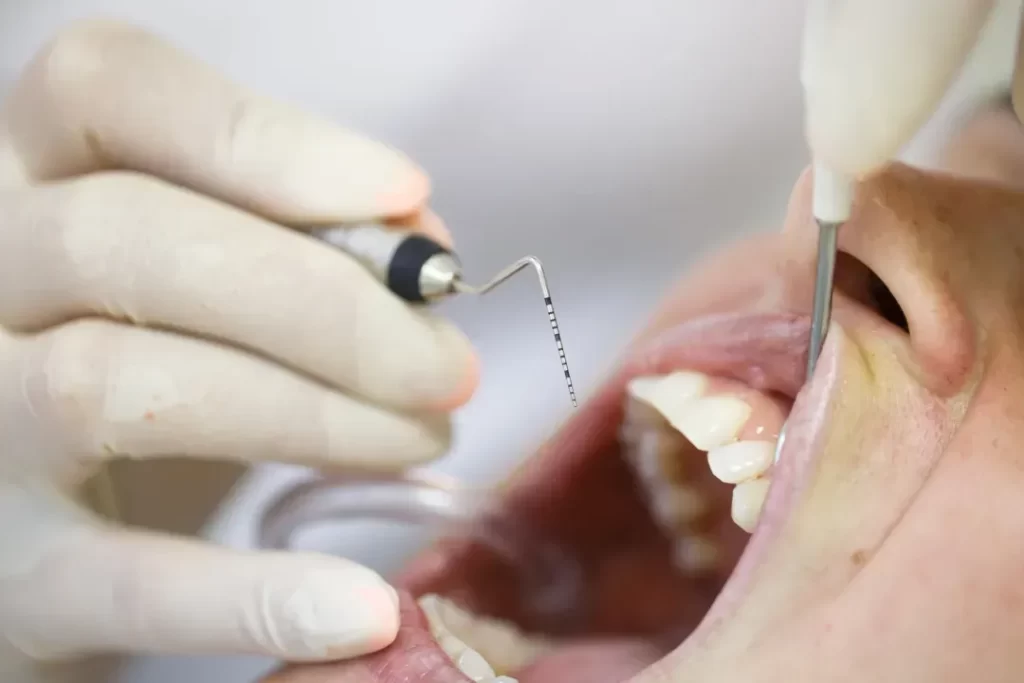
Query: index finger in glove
{"points": [[107, 95], [129, 246]]}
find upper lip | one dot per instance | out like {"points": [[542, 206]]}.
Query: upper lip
{"points": [[767, 351]]}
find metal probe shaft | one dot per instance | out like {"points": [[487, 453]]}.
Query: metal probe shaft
{"points": [[821, 312], [504, 275], [824, 276]]}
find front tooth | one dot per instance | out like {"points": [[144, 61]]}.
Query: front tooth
{"points": [[500, 644], [678, 387], [473, 665], [503, 679], [709, 422], [742, 460], [747, 500], [452, 646], [469, 661]]}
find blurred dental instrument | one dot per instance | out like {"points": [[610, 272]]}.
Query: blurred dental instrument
{"points": [[543, 573], [873, 73], [419, 270]]}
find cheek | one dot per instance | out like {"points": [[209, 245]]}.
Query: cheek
{"points": [[995, 417]]}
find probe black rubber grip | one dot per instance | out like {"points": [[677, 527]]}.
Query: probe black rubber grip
{"points": [[407, 264]]}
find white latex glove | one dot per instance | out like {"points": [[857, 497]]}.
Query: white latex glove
{"points": [[144, 319]]}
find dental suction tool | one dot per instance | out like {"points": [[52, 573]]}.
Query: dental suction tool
{"points": [[419, 270]]}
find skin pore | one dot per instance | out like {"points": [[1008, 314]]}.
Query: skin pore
{"points": [[889, 547]]}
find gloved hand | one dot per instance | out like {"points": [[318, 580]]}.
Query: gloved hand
{"points": [[152, 304]]}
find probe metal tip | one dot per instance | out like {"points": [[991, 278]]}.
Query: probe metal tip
{"points": [[502, 276], [780, 443], [824, 276], [821, 313]]}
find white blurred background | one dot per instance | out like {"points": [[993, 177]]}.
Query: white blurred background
{"points": [[617, 141]]}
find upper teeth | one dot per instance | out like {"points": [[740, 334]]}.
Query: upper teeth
{"points": [[747, 500], [712, 419], [707, 422], [741, 460], [677, 387]]}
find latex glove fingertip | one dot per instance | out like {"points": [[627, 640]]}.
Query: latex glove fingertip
{"points": [[336, 615]]}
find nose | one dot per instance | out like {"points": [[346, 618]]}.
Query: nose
{"points": [[948, 246]]}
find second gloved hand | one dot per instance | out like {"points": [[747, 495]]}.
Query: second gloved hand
{"points": [[152, 304]]}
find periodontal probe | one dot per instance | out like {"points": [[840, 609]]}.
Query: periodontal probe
{"points": [[419, 270]]}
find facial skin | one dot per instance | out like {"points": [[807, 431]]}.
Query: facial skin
{"points": [[889, 547]]}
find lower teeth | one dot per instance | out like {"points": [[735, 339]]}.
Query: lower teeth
{"points": [[483, 649], [487, 650]]}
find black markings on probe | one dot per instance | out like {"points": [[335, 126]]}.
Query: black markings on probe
{"points": [[561, 351]]}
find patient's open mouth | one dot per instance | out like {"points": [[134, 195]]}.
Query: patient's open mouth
{"points": [[686, 437], [672, 468], [656, 484], [664, 488]]}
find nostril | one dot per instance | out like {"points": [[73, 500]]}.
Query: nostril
{"points": [[886, 304], [857, 281]]}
